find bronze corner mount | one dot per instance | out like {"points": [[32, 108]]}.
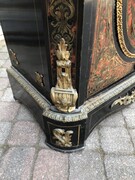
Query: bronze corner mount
{"points": [[63, 95]]}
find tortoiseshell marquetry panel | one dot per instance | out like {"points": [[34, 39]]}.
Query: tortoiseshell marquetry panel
{"points": [[131, 21], [107, 64]]}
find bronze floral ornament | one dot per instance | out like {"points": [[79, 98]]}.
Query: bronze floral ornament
{"points": [[126, 100], [62, 137]]}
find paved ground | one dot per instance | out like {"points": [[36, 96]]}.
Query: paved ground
{"points": [[109, 152]]}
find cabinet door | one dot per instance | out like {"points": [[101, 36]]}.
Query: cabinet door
{"points": [[27, 40], [108, 61]]}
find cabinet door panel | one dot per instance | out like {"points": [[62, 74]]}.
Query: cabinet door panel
{"points": [[107, 66]]}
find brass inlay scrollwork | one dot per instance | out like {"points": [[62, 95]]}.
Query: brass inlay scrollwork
{"points": [[61, 12], [120, 30], [13, 56], [63, 95], [126, 100], [63, 137], [39, 79]]}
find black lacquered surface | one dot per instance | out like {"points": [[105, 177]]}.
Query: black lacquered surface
{"points": [[89, 16], [24, 31]]}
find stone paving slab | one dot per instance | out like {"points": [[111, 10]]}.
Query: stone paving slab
{"points": [[120, 167], [2, 62], [4, 56], [24, 134], [116, 140], [1, 94], [132, 106], [7, 64], [51, 165], [8, 110], [1, 37], [24, 114], [17, 163], [3, 49], [8, 96], [86, 165], [114, 120], [5, 128], [3, 83], [2, 45], [1, 152], [129, 115], [132, 133], [3, 73], [92, 142], [42, 140]]}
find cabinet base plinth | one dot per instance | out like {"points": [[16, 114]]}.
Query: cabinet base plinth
{"points": [[67, 132]]}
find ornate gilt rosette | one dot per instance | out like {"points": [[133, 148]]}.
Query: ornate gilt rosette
{"points": [[120, 30]]}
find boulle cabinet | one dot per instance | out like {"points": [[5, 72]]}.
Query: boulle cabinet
{"points": [[73, 62]]}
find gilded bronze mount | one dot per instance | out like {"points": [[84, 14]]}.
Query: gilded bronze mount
{"points": [[63, 95]]}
